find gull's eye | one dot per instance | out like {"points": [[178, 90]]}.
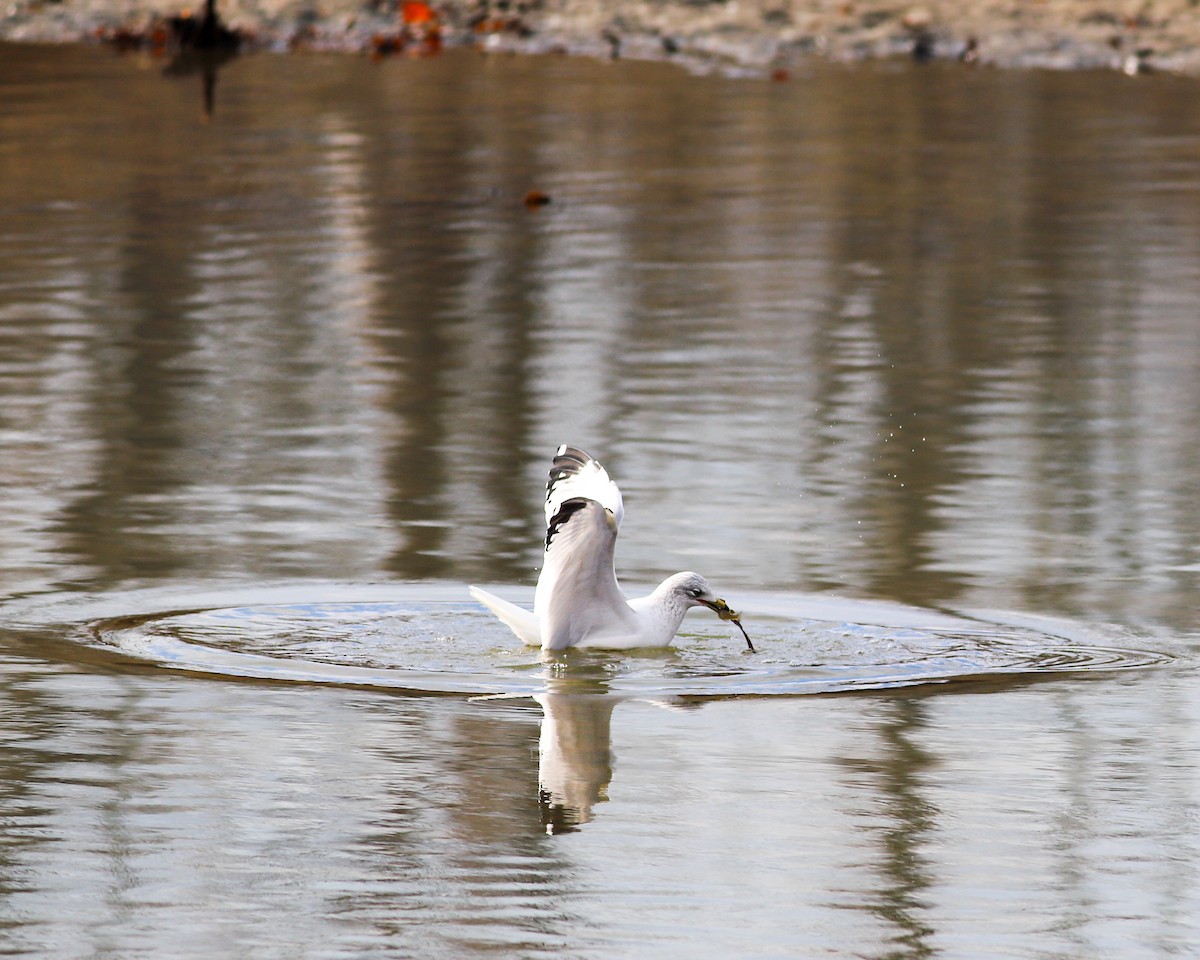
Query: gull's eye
{"points": [[694, 592]]}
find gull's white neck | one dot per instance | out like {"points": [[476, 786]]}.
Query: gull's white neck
{"points": [[660, 613]]}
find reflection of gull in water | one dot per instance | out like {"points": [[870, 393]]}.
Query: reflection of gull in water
{"points": [[574, 757], [578, 602]]}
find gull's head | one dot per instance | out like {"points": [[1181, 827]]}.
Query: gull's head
{"points": [[695, 591], [698, 592]]}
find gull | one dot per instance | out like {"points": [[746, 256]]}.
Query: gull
{"points": [[577, 602]]}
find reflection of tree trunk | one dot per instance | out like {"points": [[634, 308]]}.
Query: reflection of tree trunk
{"points": [[139, 411], [912, 817], [453, 332]]}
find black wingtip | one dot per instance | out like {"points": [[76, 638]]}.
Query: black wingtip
{"points": [[568, 509], [572, 454], [568, 461]]}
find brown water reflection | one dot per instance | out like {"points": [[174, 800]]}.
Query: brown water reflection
{"points": [[946, 315], [920, 335]]}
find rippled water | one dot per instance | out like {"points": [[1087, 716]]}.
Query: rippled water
{"points": [[416, 640], [902, 359]]}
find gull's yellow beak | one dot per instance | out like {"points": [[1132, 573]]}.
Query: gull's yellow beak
{"points": [[725, 612]]}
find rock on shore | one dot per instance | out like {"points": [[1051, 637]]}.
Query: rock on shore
{"points": [[1132, 35]]}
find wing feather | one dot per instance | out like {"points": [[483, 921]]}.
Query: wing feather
{"points": [[574, 474], [577, 594]]}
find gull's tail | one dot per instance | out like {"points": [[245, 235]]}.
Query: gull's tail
{"points": [[519, 620]]}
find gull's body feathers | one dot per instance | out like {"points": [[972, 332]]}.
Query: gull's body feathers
{"points": [[578, 602]]}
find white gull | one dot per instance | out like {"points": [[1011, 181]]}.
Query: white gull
{"points": [[577, 602]]}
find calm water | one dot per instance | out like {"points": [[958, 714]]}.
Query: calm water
{"points": [[906, 361]]}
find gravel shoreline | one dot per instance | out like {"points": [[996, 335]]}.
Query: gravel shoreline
{"points": [[762, 36]]}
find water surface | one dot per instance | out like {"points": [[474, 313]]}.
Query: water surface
{"points": [[902, 359]]}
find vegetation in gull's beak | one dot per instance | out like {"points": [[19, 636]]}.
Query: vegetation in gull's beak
{"points": [[723, 610]]}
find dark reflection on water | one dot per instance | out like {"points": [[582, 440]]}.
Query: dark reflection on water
{"points": [[918, 335], [900, 772]]}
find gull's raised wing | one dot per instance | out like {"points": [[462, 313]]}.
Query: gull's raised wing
{"points": [[577, 593]]}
